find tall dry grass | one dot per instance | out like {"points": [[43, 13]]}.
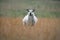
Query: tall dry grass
{"points": [[45, 29]]}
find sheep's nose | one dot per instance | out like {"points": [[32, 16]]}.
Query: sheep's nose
{"points": [[30, 14]]}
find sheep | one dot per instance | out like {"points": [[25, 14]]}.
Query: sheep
{"points": [[30, 18]]}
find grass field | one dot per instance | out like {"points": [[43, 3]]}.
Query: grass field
{"points": [[13, 11], [17, 8], [45, 29]]}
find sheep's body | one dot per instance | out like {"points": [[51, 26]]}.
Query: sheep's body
{"points": [[30, 19]]}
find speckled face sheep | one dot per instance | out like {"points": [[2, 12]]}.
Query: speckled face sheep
{"points": [[30, 18]]}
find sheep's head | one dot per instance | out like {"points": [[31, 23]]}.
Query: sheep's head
{"points": [[31, 12]]}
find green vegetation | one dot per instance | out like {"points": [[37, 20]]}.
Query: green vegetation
{"points": [[17, 8]]}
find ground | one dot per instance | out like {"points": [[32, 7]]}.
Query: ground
{"points": [[45, 29]]}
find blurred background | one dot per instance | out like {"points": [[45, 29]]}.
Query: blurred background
{"points": [[13, 11], [17, 8]]}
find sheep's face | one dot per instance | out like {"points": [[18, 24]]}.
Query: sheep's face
{"points": [[31, 12]]}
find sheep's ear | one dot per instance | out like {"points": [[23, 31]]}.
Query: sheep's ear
{"points": [[27, 10], [33, 10]]}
